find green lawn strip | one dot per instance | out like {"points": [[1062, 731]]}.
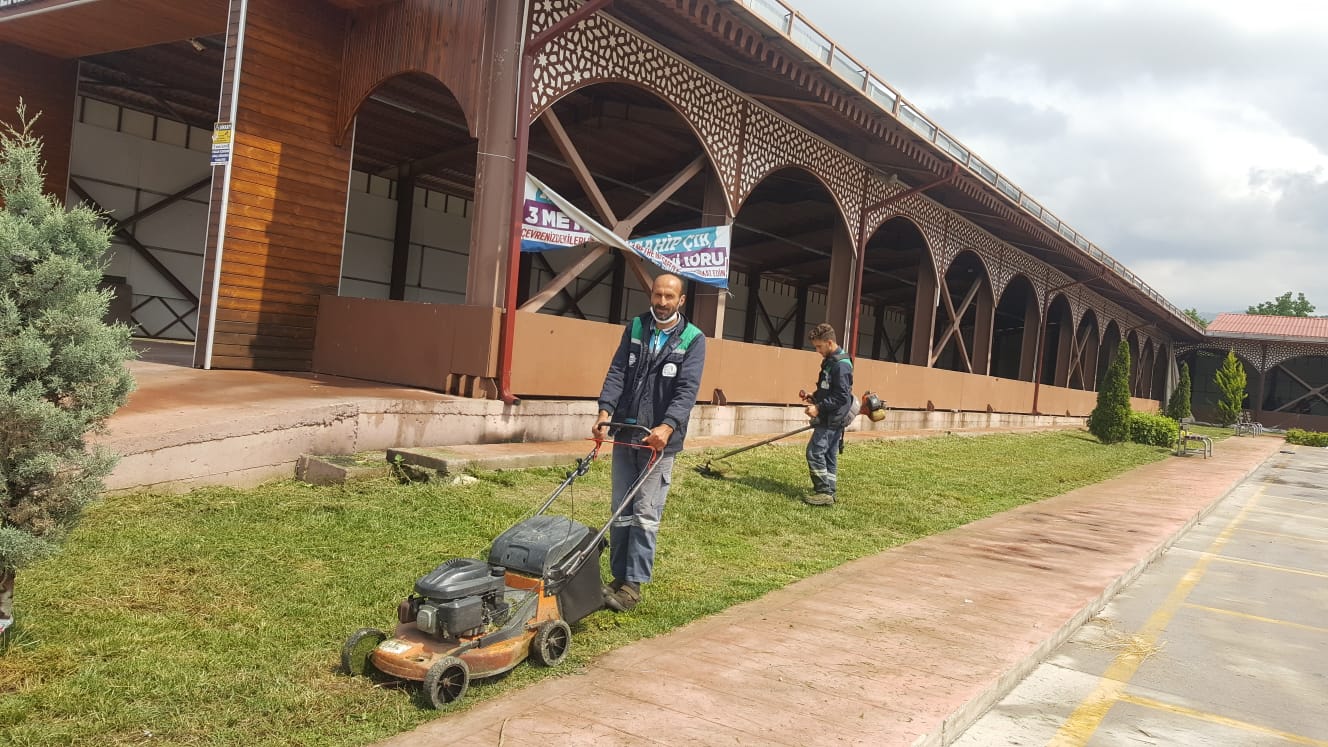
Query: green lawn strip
{"points": [[216, 618]]}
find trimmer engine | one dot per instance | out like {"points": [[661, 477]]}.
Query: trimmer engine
{"points": [[459, 598]]}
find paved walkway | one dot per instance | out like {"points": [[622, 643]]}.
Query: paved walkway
{"points": [[905, 647], [1221, 642]]}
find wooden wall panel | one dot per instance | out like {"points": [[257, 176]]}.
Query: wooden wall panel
{"points": [[286, 205], [46, 85], [441, 38]]}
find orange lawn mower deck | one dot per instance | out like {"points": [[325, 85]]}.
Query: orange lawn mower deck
{"points": [[471, 619]]}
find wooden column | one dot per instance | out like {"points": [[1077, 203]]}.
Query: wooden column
{"points": [[924, 315], [753, 300], [278, 218], [618, 290], [983, 330], [709, 301], [1028, 352], [839, 300], [401, 236], [800, 321], [1065, 338], [490, 225]]}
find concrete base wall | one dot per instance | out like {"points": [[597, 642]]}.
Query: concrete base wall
{"points": [[243, 452]]}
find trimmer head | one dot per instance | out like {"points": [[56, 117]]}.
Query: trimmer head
{"points": [[705, 470]]}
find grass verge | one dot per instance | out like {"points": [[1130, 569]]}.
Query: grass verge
{"points": [[216, 618]]}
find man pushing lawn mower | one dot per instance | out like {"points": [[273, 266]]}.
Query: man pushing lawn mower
{"points": [[652, 381]]}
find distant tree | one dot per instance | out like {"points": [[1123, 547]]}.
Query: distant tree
{"points": [[1178, 407], [62, 370], [1284, 306], [1230, 380], [1193, 314], [1110, 419]]}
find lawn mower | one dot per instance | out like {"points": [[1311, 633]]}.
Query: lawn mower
{"points": [[470, 619]]}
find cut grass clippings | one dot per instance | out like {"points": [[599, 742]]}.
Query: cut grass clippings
{"points": [[217, 617]]}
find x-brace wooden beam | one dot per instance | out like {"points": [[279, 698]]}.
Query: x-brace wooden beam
{"points": [[572, 306], [1077, 358], [773, 339], [622, 228], [952, 330], [119, 230], [1311, 391]]}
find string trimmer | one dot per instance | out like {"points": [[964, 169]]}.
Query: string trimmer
{"points": [[871, 406]]}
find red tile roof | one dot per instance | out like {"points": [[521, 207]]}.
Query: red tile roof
{"points": [[1254, 325]]}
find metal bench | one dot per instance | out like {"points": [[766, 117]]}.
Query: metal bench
{"points": [[1245, 425], [1184, 439]]}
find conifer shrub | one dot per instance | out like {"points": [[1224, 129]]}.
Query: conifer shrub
{"points": [[1110, 419], [62, 370], [1230, 380], [1178, 407]]}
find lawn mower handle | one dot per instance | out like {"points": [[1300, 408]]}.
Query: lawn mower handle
{"points": [[578, 559], [583, 464]]}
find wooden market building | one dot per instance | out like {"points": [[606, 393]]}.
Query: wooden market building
{"points": [[359, 221]]}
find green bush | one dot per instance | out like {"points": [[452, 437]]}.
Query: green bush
{"points": [[1110, 420], [1153, 430], [1306, 438]]}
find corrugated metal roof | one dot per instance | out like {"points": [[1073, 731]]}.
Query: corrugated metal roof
{"points": [[1308, 328]]}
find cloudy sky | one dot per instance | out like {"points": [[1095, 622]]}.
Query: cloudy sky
{"points": [[1187, 138]]}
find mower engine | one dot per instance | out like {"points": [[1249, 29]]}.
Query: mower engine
{"points": [[873, 407], [461, 597]]}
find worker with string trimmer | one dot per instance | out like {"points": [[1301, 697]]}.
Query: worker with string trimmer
{"points": [[831, 408]]}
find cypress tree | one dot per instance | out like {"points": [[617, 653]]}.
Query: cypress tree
{"points": [[1110, 420], [62, 370], [1178, 407], [1230, 380]]}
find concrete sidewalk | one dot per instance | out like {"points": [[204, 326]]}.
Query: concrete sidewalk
{"points": [[185, 427], [906, 647]]}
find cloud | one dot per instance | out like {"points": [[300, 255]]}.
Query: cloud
{"points": [[1187, 138]]}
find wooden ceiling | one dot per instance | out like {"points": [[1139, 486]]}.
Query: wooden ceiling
{"points": [[108, 25]]}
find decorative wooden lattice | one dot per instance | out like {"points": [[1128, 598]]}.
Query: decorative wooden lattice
{"points": [[600, 50], [746, 142]]}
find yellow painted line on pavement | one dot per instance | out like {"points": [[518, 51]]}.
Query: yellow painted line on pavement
{"points": [[1302, 500], [1270, 566], [1284, 535], [1294, 516], [1259, 618], [1213, 718], [1088, 715]]}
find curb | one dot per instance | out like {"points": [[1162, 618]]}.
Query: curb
{"points": [[954, 725]]}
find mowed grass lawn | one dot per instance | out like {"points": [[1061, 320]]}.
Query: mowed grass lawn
{"points": [[217, 617]]}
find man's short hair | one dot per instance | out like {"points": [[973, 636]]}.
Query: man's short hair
{"points": [[822, 331]]}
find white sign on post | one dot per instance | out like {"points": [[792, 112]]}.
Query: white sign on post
{"points": [[221, 143]]}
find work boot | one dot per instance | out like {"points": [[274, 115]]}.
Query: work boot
{"points": [[625, 598], [819, 499]]}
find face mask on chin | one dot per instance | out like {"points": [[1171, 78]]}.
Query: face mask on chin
{"points": [[667, 320]]}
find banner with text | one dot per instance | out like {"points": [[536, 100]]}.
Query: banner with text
{"points": [[549, 221]]}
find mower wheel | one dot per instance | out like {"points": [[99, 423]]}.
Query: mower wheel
{"points": [[550, 644], [355, 659], [447, 681]]}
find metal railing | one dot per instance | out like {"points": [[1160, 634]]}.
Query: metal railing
{"points": [[789, 23]]}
